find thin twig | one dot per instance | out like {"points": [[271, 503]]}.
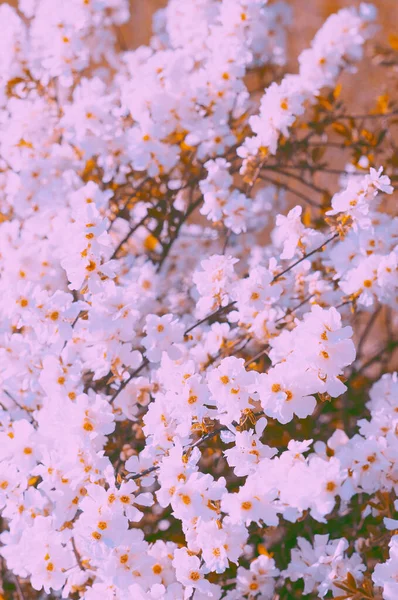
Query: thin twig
{"points": [[77, 555], [370, 116], [323, 170], [217, 312], [227, 307], [189, 448], [144, 363], [127, 237], [286, 187], [390, 347], [367, 330], [257, 356], [168, 247], [319, 249], [21, 595], [296, 177]]}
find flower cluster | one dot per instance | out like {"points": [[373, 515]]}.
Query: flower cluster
{"points": [[181, 347], [338, 43]]}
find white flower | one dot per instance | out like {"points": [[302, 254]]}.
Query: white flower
{"points": [[189, 572], [385, 574], [162, 335], [283, 393], [230, 386]]}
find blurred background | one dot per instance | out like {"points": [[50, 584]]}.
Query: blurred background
{"points": [[309, 14], [308, 17]]}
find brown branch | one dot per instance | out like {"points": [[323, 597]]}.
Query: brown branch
{"points": [[215, 313], [319, 249], [296, 177], [291, 190], [77, 555], [367, 330], [389, 348], [322, 170], [257, 356], [144, 363], [21, 595], [170, 244], [231, 304], [369, 116], [127, 237], [189, 448]]}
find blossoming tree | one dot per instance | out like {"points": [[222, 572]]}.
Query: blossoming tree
{"points": [[199, 293]]}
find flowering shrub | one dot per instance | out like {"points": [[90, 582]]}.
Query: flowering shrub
{"points": [[198, 317]]}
